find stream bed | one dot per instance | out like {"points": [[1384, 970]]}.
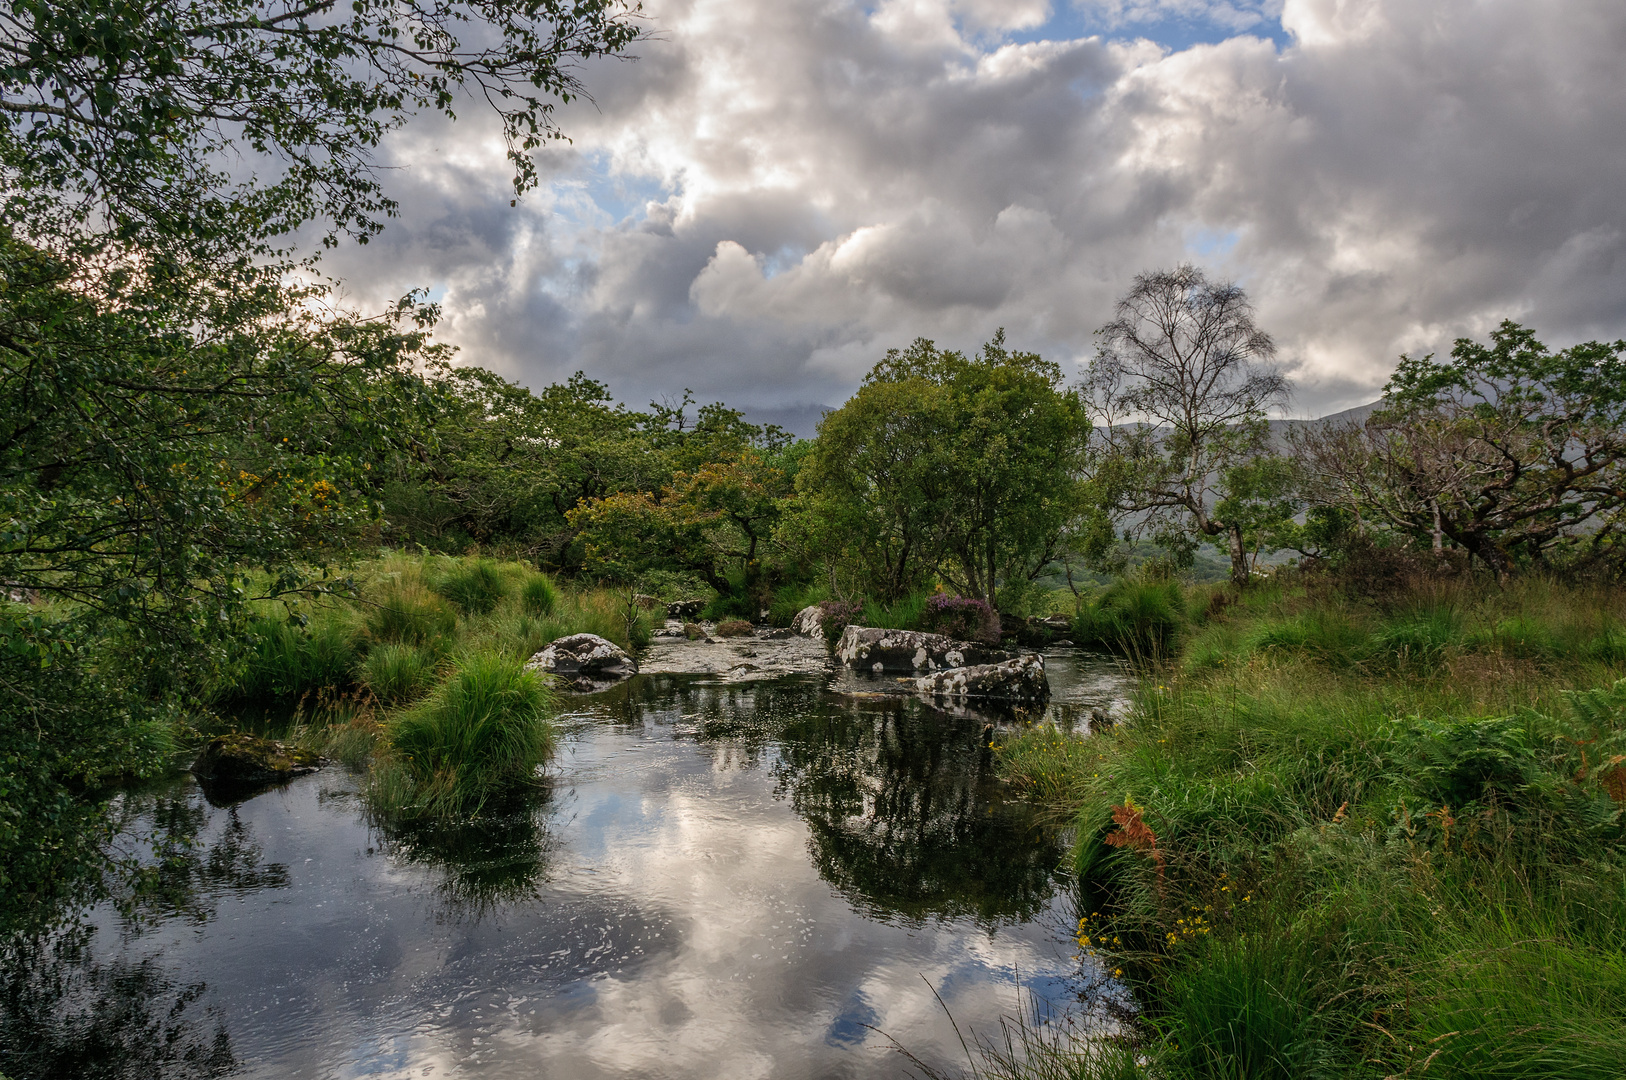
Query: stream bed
{"points": [[723, 876]]}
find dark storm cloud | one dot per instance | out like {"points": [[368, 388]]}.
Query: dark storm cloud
{"points": [[778, 190]]}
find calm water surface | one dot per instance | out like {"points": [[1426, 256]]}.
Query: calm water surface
{"points": [[721, 879]]}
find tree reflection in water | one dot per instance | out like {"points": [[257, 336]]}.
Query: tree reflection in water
{"points": [[65, 1014], [905, 815]]}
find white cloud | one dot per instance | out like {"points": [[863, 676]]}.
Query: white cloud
{"points": [[812, 181]]}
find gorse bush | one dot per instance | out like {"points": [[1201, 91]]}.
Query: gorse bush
{"points": [[479, 735], [475, 585]]}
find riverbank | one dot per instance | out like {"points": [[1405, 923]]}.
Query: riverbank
{"points": [[1346, 837]]}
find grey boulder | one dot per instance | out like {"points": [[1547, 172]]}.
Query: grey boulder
{"points": [[809, 621], [1019, 680], [880, 650], [585, 661]]}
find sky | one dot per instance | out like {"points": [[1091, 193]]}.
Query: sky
{"points": [[777, 191]]}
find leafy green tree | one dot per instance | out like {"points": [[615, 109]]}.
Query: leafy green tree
{"points": [[1180, 388], [717, 522], [1508, 451], [505, 466], [975, 469], [184, 401], [875, 486], [119, 118]]}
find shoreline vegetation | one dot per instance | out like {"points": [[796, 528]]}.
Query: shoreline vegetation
{"points": [[1351, 835], [418, 678]]}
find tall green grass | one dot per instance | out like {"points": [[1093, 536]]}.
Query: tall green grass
{"points": [[474, 585], [538, 596], [1144, 619], [399, 672], [481, 734], [283, 658], [407, 612], [1343, 839]]}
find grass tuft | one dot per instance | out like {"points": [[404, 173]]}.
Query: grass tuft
{"points": [[399, 672], [475, 585], [538, 595], [480, 735]]}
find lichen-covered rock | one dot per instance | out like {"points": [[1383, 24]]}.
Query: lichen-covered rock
{"points": [[869, 648], [808, 621], [693, 631], [585, 661], [1020, 680], [248, 761], [685, 610]]}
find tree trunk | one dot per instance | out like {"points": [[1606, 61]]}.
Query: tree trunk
{"points": [[1493, 556], [1239, 558]]}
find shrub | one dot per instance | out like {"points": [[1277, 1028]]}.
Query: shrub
{"points": [[479, 735], [399, 672], [473, 585], [538, 596], [836, 615], [407, 612], [965, 618], [735, 628]]}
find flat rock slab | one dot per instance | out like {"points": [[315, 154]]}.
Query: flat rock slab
{"points": [[877, 650], [766, 655], [245, 762], [1020, 680]]}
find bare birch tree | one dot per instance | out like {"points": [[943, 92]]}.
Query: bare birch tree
{"points": [[1180, 386]]}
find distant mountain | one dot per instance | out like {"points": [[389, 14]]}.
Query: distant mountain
{"points": [[800, 420], [803, 420], [1280, 428]]}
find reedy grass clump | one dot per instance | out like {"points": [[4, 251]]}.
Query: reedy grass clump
{"points": [[434, 703], [478, 736], [405, 611], [474, 585], [538, 595], [1341, 840], [399, 672], [1142, 619], [283, 658]]}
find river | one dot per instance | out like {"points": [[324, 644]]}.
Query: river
{"points": [[728, 874]]}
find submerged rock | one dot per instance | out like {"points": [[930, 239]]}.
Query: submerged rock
{"points": [[585, 661], [809, 621], [1022, 680], [244, 762], [909, 650]]}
